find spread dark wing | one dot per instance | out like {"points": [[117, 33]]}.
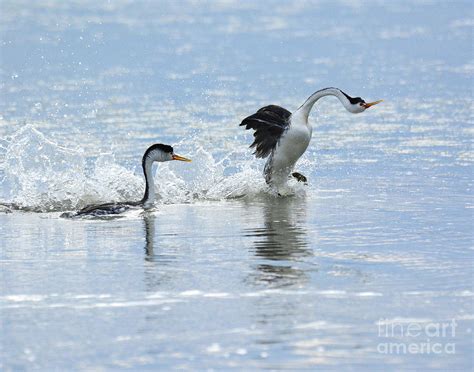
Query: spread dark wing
{"points": [[269, 123]]}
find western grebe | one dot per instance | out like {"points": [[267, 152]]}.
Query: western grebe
{"points": [[285, 136], [155, 153]]}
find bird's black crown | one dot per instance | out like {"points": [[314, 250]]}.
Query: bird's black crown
{"points": [[159, 146], [353, 100]]}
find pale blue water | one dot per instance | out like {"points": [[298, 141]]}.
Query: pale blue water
{"points": [[223, 274]]}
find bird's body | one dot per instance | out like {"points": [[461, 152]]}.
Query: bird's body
{"points": [[291, 146], [283, 136], [155, 153], [106, 209]]}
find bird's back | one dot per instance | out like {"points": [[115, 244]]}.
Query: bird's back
{"points": [[104, 209]]}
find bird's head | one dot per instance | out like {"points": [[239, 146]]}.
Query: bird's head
{"points": [[357, 105], [160, 153]]}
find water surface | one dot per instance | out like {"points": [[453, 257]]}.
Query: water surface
{"points": [[222, 273]]}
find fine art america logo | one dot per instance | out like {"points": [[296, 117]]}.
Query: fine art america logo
{"points": [[412, 336]]}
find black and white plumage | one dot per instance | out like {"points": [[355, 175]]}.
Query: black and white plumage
{"points": [[155, 153], [269, 124], [283, 136]]}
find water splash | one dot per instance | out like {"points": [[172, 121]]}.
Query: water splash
{"points": [[40, 175], [209, 179]]}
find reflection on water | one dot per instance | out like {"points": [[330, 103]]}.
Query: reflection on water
{"points": [[283, 235], [282, 238], [156, 263], [149, 221]]}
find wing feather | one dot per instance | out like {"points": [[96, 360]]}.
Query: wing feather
{"points": [[269, 124]]}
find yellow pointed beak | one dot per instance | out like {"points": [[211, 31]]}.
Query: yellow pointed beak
{"points": [[367, 105], [180, 158]]}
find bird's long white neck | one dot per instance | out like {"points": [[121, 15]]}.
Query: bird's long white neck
{"points": [[149, 197], [304, 110]]}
